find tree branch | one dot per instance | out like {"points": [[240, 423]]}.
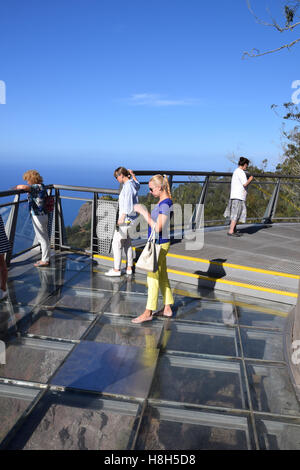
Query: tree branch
{"points": [[256, 53], [274, 24]]}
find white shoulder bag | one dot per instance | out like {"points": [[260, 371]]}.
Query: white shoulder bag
{"points": [[148, 260]]}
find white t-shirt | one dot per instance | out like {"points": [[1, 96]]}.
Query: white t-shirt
{"points": [[238, 180]]}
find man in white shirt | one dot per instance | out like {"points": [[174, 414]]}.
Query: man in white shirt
{"points": [[236, 208]]}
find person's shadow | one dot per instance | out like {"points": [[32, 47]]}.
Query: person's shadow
{"points": [[215, 271], [206, 283], [252, 229]]}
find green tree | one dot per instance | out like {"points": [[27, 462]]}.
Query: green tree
{"points": [[289, 202]]}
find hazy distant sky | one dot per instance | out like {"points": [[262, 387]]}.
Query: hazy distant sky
{"points": [[149, 84]]}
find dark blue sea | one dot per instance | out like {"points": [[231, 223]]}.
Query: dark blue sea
{"points": [[98, 177]]}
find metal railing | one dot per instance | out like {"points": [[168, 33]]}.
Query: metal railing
{"points": [[270, 194], [57, 230], [207, 179]]}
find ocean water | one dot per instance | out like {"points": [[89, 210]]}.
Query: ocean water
{"points": [[99, 177]]}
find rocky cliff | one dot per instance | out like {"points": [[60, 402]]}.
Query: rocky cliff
{"points": [[84, 215]]}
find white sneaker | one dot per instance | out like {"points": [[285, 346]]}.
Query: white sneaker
{"points": [[112, 273], [3, 294]]}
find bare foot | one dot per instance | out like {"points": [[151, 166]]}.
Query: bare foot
{"points": [[41, 263], [165, 312], [146, 316]]}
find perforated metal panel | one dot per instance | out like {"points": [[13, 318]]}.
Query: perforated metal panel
{"points": [[106, 217]]}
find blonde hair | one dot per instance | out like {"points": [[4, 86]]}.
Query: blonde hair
{"points": [[162, 180], [33, 177]]}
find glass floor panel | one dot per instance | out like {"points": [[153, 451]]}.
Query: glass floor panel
{"points": [[33, 360], [108, 369], [171, 429], [203, 310], [10, 317], [71, 421], [182, 291], [277, 434], [203, 339], [70, 262], [90, 279], [22, 293], [57, 323], [14, 402], [79, 299], [132, 304], [136, 283], [116, 330], [262, 305], [262, 344], [271, 390], [264, 317], [206, 382]]}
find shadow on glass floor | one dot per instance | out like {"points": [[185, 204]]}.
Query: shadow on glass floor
{"points": [[110, 369]]}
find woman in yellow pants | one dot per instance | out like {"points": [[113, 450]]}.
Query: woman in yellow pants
{"points": [[159, 187]]}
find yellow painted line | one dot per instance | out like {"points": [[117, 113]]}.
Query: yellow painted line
{"points": [[228, 265], [233, 283], [108, 258], [104, 257], [235, 266], [220, 281]]}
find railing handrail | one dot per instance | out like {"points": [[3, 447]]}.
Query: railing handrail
{"points": [[209, 173], [12, 192], [86, 189]]}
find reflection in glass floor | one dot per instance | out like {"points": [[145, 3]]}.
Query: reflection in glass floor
{"points": [[79, 375]]}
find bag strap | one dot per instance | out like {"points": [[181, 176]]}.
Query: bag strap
{"points": [[152, 234]]}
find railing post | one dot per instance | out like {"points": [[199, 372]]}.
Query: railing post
{"points": [[271, 208], [294, 350], [94, 238], [58, 222], [296, 327], [10, 227], [201, 203], [204, 191], [171, 226]]}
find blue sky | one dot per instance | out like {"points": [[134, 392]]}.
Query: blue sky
{"points": [[148, 84]]}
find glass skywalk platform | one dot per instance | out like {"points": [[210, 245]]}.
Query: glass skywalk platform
{"points": [[80, 375]]}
